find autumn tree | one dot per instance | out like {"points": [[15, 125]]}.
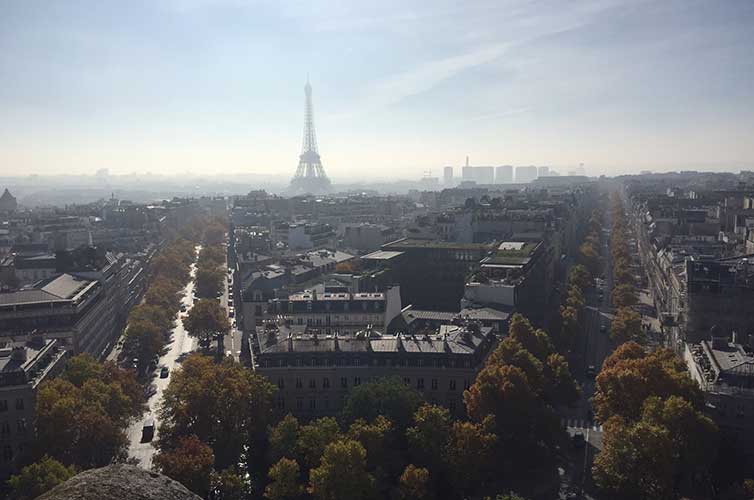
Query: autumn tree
{"points": [[209, 282], [693, 437], [144, 340], [470, 455], [624, 295], [519, 384], [225, 405], [211, 257], [629, 376], [589, 256], [626, 325], [284, 481], [342, 473], [189, 462], [82, 415], [38, 478], [575, 298], [569, 326], [414, 484], [580, 276], [524, 422], [536, 341], [163, 293], [158, 316], [214, 234], [547, 372], [206, 321], [635, 462]]}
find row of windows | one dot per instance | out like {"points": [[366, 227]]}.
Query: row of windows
{"points": [[324, 404], [312, 383], [4, 404], [411, 361], [5, 427]]}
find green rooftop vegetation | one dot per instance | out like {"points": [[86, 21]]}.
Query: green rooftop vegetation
{"points": [[419, 243], [512, 253]]}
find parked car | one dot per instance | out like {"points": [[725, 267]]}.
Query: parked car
{"points": [[164, 371], [183, 308], [147, 430], [231, 312]]}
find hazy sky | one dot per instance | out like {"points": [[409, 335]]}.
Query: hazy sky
{"points": [[400, 87]]}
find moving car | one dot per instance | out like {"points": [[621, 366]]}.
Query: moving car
{"points": [[147, 430], [164, 371], [603, 328], [591, 371]]}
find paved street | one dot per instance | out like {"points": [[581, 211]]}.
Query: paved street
{"points": [[179, 345], [231, 341], [596, 344]]}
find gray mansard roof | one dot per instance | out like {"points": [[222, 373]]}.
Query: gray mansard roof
{"points": [[449, 339]]}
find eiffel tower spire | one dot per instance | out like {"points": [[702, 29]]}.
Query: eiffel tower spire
{"points": [[310, 175]]}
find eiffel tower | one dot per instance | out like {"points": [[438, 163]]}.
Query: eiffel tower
{"points": [[310, 175]]}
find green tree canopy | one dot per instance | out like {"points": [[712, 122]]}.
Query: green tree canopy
{"points": [[386, 396], [314, 437], [283, 439], [342, 474], [580, 276], [205, 321], [428, 437], [38, 478], [209, 282], [284, 481]]}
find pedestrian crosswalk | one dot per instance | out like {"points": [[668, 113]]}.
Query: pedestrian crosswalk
{"points": [[580, 423]]}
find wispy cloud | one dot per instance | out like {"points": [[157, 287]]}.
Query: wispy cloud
{"points": [[426, 76], [499, 114]]}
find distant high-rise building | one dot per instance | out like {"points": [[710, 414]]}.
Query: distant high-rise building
{"points": [[504, 174], [484, 175], [525, 174], [447, 176], [543, 171], [467, 172]]}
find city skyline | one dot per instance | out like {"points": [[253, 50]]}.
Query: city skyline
{"points": [[213, 86]]}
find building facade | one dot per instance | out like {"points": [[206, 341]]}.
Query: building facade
{"points": [[314, 371], [23, 366]]}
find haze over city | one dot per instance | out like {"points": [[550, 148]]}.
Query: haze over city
{"points": [[400, 88]]}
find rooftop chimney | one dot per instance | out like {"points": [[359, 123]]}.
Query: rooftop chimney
{"points": [[18, 354]]}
